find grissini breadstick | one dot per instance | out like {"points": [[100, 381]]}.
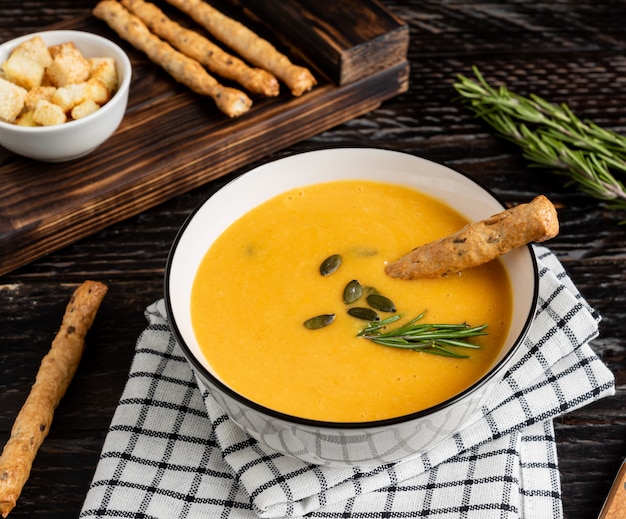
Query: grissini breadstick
{"points": [[480, 242], [183, 69], [248, 45], [55, 373], [196, 46]]}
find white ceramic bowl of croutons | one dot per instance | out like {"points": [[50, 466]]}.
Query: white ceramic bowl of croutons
{"points": [[85, 111]]}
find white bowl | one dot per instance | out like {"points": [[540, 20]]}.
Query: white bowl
{"points": [[72, 139], [318, 442]]}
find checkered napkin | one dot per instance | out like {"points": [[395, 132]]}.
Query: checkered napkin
{"points": [[172, 453]]}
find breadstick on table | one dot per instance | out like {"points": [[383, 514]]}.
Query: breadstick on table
{"points": [[248, 45], [183, 69], [196, 46], [55, 373], [480, 242]]}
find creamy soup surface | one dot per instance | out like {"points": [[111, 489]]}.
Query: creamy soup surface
{"points": [[260, 281]]}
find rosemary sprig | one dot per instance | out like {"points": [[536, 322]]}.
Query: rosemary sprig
{"points": [[429, 338], [551, 136]]}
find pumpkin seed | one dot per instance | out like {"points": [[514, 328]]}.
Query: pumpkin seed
{"points": [[330, 265], [352, 292], [366, 314], [319, 321], [380, 302]]}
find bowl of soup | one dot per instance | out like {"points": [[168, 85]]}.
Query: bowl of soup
{"points": [[276, 292]]}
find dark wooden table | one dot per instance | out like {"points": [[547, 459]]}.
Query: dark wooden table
{"points": [[565, 50]]}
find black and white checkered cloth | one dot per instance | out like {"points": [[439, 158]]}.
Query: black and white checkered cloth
{"points": [[172, 453]]}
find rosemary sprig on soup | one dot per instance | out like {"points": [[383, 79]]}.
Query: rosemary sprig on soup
{"points": [[428, 338]]}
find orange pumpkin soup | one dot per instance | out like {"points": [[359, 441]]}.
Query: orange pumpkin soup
{"points": [[260, 281]]}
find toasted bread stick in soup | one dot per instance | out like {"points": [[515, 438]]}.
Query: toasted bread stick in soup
{"points": [[196, 46], [183, 69], [55, 373], [248, 45], [480, 242]]}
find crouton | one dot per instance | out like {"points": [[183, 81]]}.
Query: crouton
{"points": [[37, 93], [48, 114], [67, 97], [104, 70], [23, 71], [62, 48], [11, 100], [26, 119], [36, 49], [68, 65], [85, 108], [27, 63], [98, 91]]}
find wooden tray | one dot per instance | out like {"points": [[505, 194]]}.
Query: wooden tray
{"points": [[172, 140]]}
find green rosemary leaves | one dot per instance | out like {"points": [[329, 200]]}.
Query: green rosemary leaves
{"points": [[429, 338], [552, 137]]}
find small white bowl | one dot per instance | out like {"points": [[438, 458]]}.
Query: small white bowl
{"points": [[72, 139], [329, 443]]}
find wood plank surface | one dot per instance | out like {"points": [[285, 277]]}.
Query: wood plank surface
{"points": [[567, 51], [169, 142], [348, 39]]}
